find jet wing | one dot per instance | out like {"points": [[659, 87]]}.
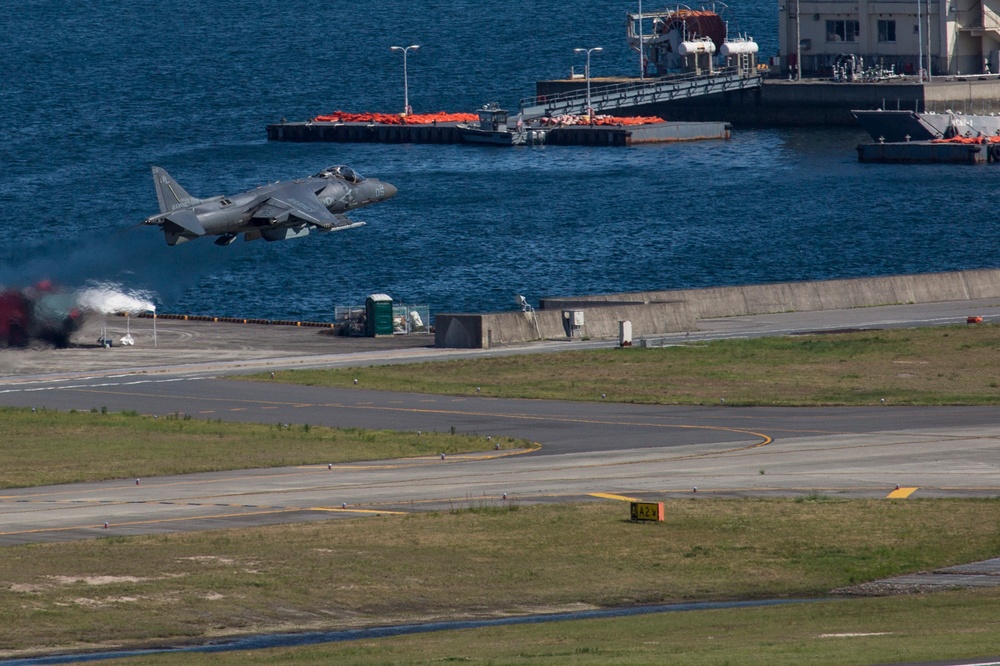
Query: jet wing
{"points": [[300, 202]]}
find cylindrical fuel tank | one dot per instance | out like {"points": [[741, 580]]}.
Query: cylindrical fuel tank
{"points": [[739, 48], [692, 48]]}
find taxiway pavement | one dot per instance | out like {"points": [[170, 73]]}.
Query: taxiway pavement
{"points": [[609, 451]]}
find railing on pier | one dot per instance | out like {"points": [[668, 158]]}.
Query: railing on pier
{"points": [[652, 91]]}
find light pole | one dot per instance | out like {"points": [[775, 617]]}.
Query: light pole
{"points": [[590, 111], [798, 43], [642, 55], [406, 85]]}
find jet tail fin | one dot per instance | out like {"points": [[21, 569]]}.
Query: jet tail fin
{"points": [[169, 193]]}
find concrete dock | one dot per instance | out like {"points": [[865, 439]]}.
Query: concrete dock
{"points": [[448, 133], [810, 102]]}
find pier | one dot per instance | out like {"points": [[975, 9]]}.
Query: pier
{"points": [[614, 97], [806, 103], [447, 133]]}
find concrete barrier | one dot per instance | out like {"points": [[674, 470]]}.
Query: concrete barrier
{"points": [[656, 312], [982, 283], [860, 293], [930, 287], [483, 331], [458, 330]]}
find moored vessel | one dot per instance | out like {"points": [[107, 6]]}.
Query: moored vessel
{"points": [[900, 126]]}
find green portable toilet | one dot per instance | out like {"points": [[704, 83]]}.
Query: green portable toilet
{"points": [[378, 315]]}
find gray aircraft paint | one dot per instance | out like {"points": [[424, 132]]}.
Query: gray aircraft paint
{"points": [[282, 210]]}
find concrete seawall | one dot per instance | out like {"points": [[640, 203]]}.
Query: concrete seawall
{"points": [[671, 311]]}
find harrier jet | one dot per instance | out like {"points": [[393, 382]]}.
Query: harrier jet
{"points": [[280, 211]]}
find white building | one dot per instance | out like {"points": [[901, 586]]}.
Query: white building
{"points": [[960, 36]]}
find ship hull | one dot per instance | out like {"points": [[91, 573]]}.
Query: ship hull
{"points": [[900, 126]]}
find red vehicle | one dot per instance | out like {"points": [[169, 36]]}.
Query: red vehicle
{"points": [[42, 313]]}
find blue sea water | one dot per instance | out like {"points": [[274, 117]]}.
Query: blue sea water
{"points": [[93, 94]]}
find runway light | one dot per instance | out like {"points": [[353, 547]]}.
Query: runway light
{"points": [[505, 495], [344, 505], [137, 482], [355, 382], [478, 389], [329, 465], [442, 456], [105, 525], [695, 489], [604, 395]]}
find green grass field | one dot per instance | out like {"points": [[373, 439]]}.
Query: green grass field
{"points": [[490, 561], [47, 447], [953, 365], [948, 625]]}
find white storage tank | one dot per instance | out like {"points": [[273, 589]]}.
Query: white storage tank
{"points": [[743, 47], [696, 48]]}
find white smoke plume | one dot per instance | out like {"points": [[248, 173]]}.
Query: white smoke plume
{"points": [[111, 298]]}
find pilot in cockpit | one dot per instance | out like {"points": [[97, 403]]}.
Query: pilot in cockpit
{"points": [[344, 172]]}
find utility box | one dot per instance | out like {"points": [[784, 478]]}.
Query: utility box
{"points": [[625, 333], [573, 322], [378, 315]]}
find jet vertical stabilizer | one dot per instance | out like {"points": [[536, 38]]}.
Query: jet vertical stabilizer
{"points": [[169, 193]]}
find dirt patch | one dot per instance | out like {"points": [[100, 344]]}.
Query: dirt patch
{"points": [[97, 580]]}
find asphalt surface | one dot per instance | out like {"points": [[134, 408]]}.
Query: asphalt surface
{"points": [[605, 451]]}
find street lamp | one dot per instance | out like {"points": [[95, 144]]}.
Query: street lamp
{"points": [[590, 111], [642, 54], [406, 87]]}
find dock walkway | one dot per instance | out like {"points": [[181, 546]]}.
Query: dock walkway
{"points": [[613, 97]]}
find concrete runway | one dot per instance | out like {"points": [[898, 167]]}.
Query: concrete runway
{"points": [[590, 451]]}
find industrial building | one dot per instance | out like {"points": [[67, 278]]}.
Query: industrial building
{"points": [[948, 37]]}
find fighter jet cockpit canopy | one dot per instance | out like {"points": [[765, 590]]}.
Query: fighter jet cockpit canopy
{"points": [[343, 172]]}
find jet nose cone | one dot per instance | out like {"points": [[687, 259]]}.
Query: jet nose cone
{"points": [[390, 191]]}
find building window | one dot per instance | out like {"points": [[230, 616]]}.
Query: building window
{"points": [[842, 31], [887, 31]]}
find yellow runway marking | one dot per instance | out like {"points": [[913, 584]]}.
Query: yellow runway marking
{"points": [[336, 510], [902, 493], [620, 498]]}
